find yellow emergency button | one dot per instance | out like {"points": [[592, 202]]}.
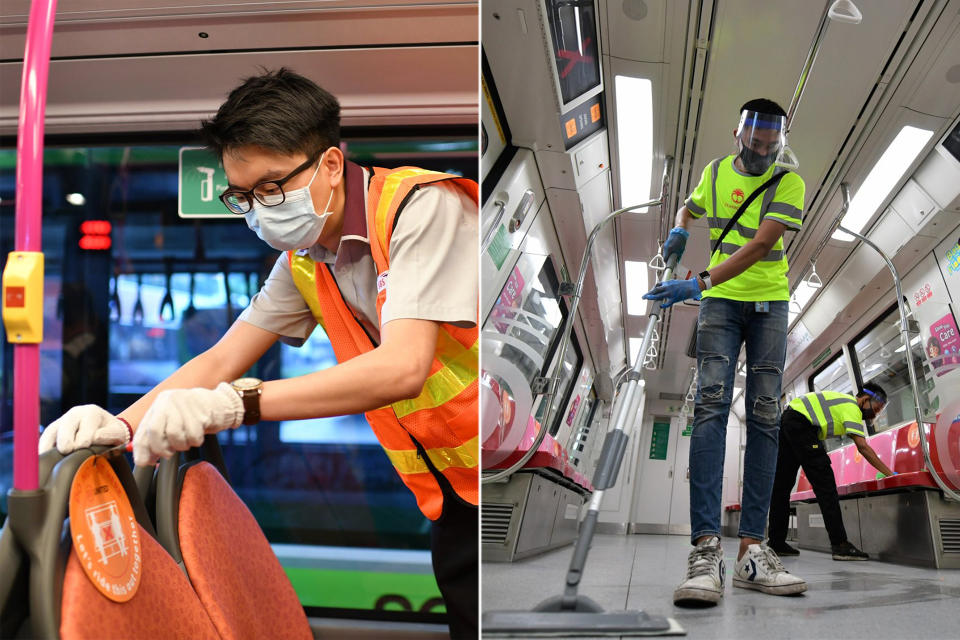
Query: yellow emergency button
{"points": [[23, 297]]}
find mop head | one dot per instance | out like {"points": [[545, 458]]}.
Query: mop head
{"points": [[572, 624]]}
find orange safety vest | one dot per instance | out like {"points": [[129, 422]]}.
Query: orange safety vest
{"points": [[442, 421]]}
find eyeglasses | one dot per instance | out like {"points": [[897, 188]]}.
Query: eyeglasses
{"points": [[268, 193]]}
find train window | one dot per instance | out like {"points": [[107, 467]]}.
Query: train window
{"points": [[880, 357], [520, 336], [832, 377], [119, 320]]}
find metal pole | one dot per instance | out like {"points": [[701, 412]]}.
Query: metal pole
{"points": [[29, 181], [845, 191], [553, 382], [828, 14], [623, 417], [905, 336]]}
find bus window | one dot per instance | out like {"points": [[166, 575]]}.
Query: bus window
{"points": [[124, 317]]}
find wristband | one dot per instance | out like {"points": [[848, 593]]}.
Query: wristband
{"points": [[129, 428]]}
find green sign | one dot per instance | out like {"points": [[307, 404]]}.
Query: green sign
{"points": [[688, 430], [499, 247], [659, 441], [202, 180], [820, 358]]}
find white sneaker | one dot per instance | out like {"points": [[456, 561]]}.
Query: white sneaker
{"points": [[761, 569], [705, 574]]}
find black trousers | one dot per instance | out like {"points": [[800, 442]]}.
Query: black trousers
{"points": [[453, 544], [800, 446]]}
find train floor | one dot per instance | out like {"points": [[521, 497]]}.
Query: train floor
{"points": [[871, 600]]}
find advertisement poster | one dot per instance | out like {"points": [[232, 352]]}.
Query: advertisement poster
{"points": [[510, 298], [943, 345]]}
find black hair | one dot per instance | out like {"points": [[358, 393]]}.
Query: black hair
{"points": [[763, 105], [872, 387], [277, 110]]}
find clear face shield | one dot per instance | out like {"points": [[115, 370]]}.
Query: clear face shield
{"points": [[761, 140]]}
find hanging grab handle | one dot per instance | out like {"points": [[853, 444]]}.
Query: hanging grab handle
{"points": [[845, 11], [167, 302]]}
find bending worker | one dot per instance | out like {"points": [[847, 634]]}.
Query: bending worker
{"points": [[807, 422], [381, 266], [749, 203]]}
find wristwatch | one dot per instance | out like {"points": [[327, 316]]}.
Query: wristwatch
{"points": [[705, 276], [249, 390]]}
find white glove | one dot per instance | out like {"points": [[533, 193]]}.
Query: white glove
{"points": [[179, 418], [83, 426]]}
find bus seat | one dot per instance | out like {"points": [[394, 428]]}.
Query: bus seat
{"points": [[61, 602], [229, 561], [165, 605]]}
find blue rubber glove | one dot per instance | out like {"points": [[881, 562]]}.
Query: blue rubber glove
{"points": [[673, 291], [675, 244]]}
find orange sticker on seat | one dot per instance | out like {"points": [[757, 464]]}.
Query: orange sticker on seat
{"points": [[594, 113], [571, 127], [105, 532], [913, 436]]}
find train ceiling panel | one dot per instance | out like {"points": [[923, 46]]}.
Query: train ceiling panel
{"points": [[383, 86], [636, 29]]}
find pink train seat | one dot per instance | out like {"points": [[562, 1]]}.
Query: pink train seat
{"points": [[899, 448], [549, 455]]}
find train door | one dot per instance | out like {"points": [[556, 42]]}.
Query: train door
{"points": [[662, 503], [680, 494]]}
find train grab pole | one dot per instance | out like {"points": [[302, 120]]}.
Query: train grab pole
{"points": [[547, 385]]}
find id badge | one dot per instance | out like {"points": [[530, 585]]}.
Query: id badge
{"points": [[762, 307]]}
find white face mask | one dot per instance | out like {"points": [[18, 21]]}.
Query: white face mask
{"points": [[294, 224]]}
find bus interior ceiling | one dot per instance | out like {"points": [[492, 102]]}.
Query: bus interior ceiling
{"points": [[897, 68], [172, 63]]}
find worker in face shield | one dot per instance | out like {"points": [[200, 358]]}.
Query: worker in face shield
{"points": [[748, 203], [807, 422], [381, 259], [760, 140]]}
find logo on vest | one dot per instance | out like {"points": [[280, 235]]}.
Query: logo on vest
{"points": [[737, 196], [382, 281]]}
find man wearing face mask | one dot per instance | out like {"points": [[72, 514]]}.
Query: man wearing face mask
{"points": [[807, 422], [387, 266], [749, 203]]}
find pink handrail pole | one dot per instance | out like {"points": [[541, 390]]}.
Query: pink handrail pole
{"points": [[26, 357]]}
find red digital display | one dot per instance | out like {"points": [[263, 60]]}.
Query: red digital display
{"points": [[96, 235]]}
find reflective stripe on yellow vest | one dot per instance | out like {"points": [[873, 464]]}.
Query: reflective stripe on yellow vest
{"points": [[831, 412], [442, 420]]}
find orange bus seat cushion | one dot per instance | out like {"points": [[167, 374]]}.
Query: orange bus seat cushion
{"points": [[165, 606], [231, 565]]}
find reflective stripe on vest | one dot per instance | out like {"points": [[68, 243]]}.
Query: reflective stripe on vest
{"points": [[443, 418], [442, 458], [819, 414], [459, 372]]}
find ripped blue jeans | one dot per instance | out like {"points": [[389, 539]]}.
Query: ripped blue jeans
{"points": [[722, 327]]}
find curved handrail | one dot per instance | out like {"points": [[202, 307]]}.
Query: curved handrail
{"points": [[905, 336], [554, 380]]}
